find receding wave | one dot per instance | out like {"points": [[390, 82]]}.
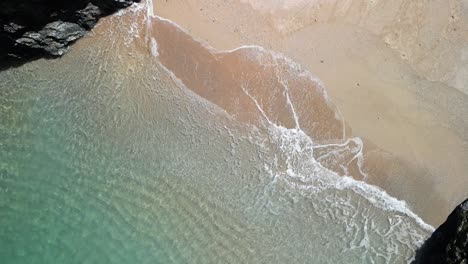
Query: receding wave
{"points": [[156, 148]]}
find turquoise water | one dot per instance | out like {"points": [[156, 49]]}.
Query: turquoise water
{"points": [[106, 158]]}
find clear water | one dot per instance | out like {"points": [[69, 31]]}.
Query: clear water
{"points": [[105, 157]]}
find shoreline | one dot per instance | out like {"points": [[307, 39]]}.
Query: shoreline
{"points": [[374, 194], [398, 132]]}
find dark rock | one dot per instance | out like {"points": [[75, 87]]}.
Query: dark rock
{"points": [[45, 28], [449, 243], [87, 17], [54, 38]]}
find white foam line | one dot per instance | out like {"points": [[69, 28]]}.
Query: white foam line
{"points": [[150, 8], [336, 144], [358, 155], [257, 104], [343, 123], [243, 47], [288, 100], [154, 47]]}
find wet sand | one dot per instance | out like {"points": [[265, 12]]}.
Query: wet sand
{"points": [[385, 96]]}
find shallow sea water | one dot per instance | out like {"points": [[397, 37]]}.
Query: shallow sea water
{"points": [[106, 157]]}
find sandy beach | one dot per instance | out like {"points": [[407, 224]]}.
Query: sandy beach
{"points": [[234, 131], [397, 87]]}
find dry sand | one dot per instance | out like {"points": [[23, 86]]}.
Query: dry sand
{"points": [[397, 70]]}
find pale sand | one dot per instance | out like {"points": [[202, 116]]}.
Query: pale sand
{"points": [[374, 73]]}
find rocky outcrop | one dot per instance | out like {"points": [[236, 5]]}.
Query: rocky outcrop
{"points": [[449, 243], [32, 28]]}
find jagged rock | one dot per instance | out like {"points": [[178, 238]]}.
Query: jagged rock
{"points": [[449, 243], [32, 28], [54, 38], [87, 17]]}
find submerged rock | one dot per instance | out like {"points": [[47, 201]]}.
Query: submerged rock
{"points": [[32, 28], [449, 243]]}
